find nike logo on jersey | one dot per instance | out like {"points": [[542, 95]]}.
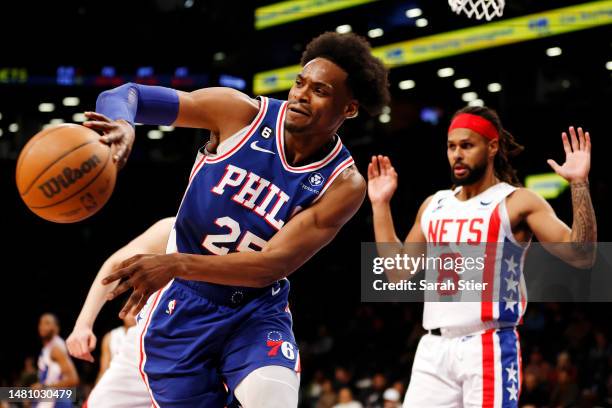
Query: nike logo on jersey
{"points": [[483, 203], [275, 291], [260, 149]]}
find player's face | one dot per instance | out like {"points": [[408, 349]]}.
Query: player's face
{"points": [[468, 155], [47, 327], [319, 100]]}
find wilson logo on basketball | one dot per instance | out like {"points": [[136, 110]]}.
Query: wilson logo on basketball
{"points": [[68, 177]]}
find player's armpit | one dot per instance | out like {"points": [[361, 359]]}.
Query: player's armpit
{"points": [[224, 111]]}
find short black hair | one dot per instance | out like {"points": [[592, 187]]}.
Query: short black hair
{"points": [[367, 76]]}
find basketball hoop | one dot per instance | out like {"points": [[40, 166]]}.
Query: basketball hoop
{"points": [[478, 9]]}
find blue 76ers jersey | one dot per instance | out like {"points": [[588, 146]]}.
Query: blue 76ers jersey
{"points": [[239, 198]]}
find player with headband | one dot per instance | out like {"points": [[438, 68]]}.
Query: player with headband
{"points": [[470, 356]]}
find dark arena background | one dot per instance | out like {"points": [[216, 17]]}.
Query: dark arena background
{"points": [[541, 75]]}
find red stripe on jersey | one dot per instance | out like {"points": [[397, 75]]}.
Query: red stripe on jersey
{"points": [[488, 369], [486, 308], [144, 329]]}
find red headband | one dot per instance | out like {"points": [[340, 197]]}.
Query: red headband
{"points": [[476, 123]]}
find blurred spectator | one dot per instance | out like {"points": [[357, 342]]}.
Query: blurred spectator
{"points": [[401, 388], [532, 393], [324, 342], [539, 367], [342, 378], [314, 389], [373, 397], [29, 374], [565, 393], [328, 396], [564, 363], [391, 398], [346, 400]]}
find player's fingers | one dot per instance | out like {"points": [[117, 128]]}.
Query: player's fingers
{"points": [[389, 166], [131, 260], [384, 169], [122, 154], [588, 142], [566, 145], [88, 357], [375, 169], [554, 165], [581, 141], [97, 116], [133, 300], [91, 342], [121, 288], [381, 164], [370, 171], [573, 139], [138, 307], [117, 275], [77, 349], [98, 125], [388, 162]]}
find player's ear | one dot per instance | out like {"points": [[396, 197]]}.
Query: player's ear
{"points": [[493, 148], [352, 109]]}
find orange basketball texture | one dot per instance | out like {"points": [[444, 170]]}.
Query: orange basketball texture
{"points": [[65, 174]]}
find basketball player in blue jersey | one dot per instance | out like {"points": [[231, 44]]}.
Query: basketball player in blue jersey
{"points": [[471, 354], [277, 187]]}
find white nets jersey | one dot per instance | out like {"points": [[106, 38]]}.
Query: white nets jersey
{"points": [[479, 220], [117, 337]]}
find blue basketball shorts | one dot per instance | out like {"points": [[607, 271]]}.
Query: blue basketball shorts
{"points": [[200, 340]]}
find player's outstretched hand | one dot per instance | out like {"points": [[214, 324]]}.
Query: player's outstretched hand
{"points": [[577, 156], [81, 342], [146, 274], [382, 180], [118, 133]]}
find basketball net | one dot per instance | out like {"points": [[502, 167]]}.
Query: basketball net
{"points": [[478, 9]]}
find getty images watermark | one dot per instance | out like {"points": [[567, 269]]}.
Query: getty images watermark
{"points": [[507, 271], [413, 264]]}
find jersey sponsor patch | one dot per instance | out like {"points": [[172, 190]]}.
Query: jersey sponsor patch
{"points": [[316, 179]]}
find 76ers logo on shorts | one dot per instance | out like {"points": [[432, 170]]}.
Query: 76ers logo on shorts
{"points": [[316, 179], [171, 306], [275, 342]]}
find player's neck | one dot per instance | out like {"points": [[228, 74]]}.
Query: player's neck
{"points": [[302, 148], [471, 190], [47, 340]]}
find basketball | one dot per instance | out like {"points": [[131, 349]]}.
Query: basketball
{"points": [[65, 174]]}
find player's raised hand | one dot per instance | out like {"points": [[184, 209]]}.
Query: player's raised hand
{"points": [[118, 133], [81, 342], [577, 156], [382, 180]]}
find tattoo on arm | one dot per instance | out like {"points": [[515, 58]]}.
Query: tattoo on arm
{"points": [[584, 226]]}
